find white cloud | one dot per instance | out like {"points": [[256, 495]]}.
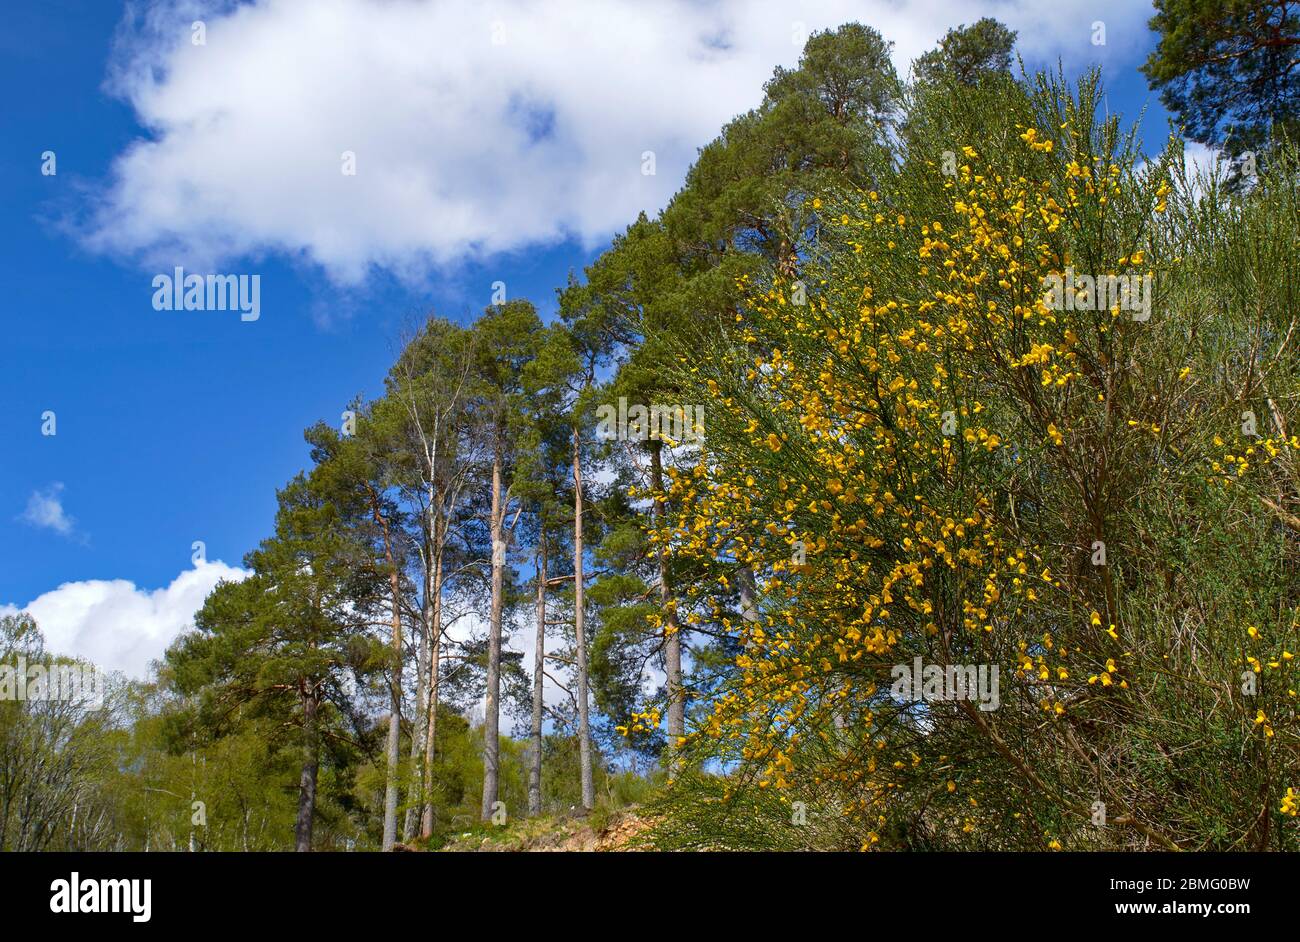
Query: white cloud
{"points": [[119, 626], [45, 509], [1201, 163], [464, 147]]}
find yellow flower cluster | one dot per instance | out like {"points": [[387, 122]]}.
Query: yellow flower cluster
{"points": [[855, 501], [862, 536], [640, 723]]}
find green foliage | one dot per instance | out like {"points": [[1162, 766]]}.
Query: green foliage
{"points": [[822, 230], [1226, 69], [56, 752], [968, 53], [1201, 554]]}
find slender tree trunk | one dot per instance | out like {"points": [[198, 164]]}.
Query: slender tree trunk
{"points": [[417, 782], [745, 580], [491, 713], [584, 731], [395, 691], [431, 717], [539, 666], [307, 783], [394, 728], [194, 767], [672, 629]]}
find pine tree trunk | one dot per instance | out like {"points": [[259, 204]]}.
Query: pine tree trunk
{"points": [[539, 666], [307, 782], [491, 714], [417, 784], [584, 732], [431, 717], [672, 632], [748, 606], [395, 691]]}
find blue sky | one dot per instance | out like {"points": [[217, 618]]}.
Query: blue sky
{"points": [[177, 426]]}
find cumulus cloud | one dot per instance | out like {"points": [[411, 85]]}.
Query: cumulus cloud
{"points": [[118, 625], [45, 510], [476, 128], [1202, 162]]}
